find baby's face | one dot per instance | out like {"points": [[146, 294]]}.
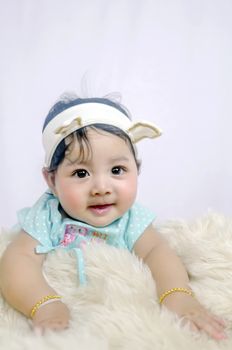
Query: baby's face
{"points": [[101, 187]]}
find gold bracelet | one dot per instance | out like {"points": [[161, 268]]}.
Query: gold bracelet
{"points": [[175, 290], [41, 302]]}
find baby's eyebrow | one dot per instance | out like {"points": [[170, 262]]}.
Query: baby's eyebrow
{"points": [[120, 159], [70, 163], [76, 162]]}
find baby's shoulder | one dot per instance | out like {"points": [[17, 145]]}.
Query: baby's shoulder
{"points": [[40, 218], [139, 210]]}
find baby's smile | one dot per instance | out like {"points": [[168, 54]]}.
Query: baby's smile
{"points": [[100, 209]]}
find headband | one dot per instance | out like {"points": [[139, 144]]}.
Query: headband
{"points": [[85, 114]]}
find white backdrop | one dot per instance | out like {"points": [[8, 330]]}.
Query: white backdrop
{"points": [[172, 62]]}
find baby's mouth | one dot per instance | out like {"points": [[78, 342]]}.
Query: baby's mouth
{"points": [[100, 208]]}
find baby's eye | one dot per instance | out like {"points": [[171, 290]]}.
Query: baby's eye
{"points": [[118, 170], [81, 173]]}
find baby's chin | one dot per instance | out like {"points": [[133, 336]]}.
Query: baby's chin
{"points": [[94, 223], [100, 222]]}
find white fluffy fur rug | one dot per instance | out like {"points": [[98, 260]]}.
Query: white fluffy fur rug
{"points": [[118, 308]]}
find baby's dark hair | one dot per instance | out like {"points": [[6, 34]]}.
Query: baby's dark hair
{"points": [[81, 135]]}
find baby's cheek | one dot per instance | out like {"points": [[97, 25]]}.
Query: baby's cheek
{"points": [[129, 191], [71, 202]]}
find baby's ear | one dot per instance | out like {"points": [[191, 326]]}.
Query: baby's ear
{"points": [[49, 177]]}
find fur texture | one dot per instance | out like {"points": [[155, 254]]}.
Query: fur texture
{"points": [[118, 308]]}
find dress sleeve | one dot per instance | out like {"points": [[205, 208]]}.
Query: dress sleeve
{"points": [[37, 221], [139, 219]]}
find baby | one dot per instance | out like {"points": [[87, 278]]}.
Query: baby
{"points": [[91, 169]]}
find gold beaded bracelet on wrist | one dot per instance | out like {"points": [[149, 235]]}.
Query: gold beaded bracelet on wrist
{"points": [[41, 302], [175, 290]]}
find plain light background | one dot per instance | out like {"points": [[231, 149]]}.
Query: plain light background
{"points": [[172, 62]]}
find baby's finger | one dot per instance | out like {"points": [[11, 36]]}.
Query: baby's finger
{"points": [[219, 320], [210, 326], [218, 326], [193, 327], [38, 331], [215, 322]]}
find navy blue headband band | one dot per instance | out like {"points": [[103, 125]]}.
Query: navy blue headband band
{"points": [[62, 106]]}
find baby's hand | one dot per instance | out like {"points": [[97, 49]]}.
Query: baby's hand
{"points": [[192, 311], [54, 316]]}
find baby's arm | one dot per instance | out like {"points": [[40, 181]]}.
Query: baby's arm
{"points": [[23, 284], [169, 272]]}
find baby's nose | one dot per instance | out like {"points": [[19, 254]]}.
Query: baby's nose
{"points": [[101, 186]]}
